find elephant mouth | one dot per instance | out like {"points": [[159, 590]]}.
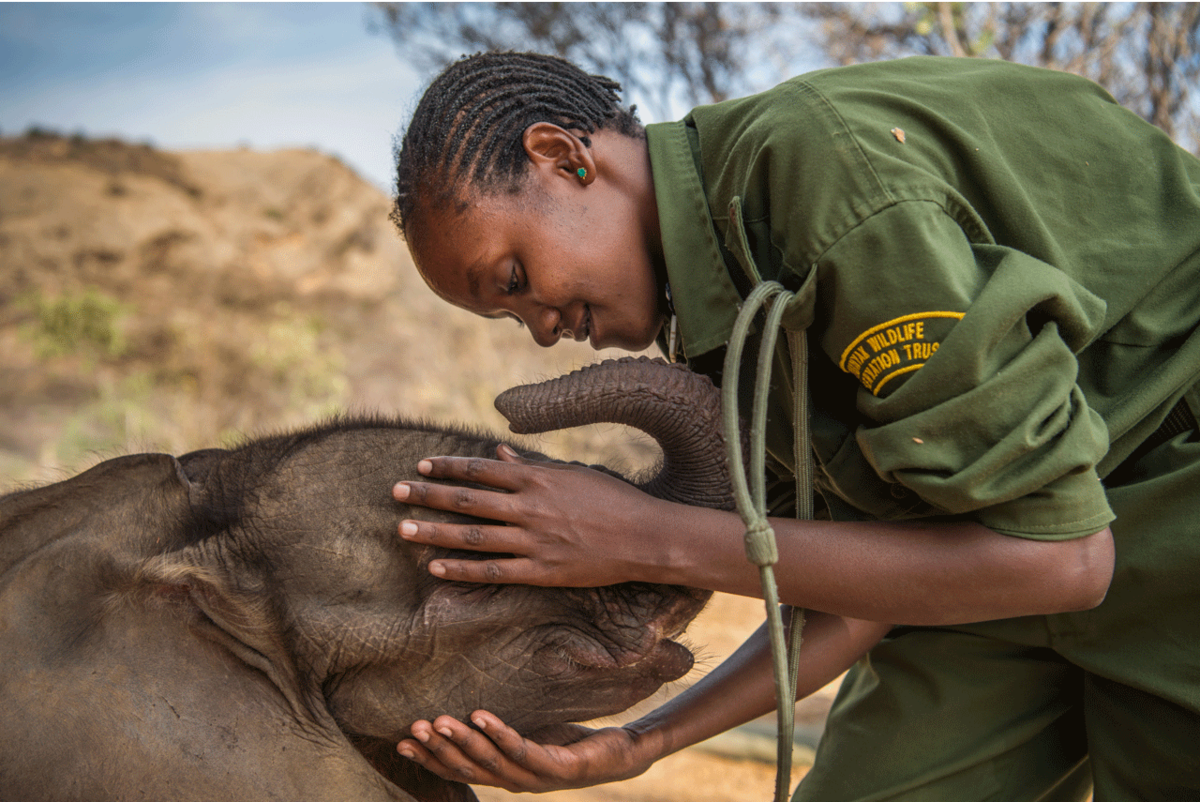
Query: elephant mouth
{"points": [[665, 661], [647, 649]]}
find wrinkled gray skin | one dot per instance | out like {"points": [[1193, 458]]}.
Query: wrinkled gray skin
{"points": [[247, 625]]}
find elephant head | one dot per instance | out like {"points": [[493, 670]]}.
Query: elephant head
{"points": [[246, 623]]}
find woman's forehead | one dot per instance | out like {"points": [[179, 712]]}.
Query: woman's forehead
{"points": [[454, 260], [460, 244]]}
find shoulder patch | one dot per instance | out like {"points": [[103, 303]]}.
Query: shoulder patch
{"points": [[900, 346]]}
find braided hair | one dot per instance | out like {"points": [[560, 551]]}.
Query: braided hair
{"points": [[467, 129]]}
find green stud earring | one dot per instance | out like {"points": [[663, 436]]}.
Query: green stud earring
{"points": [[581, 172]]}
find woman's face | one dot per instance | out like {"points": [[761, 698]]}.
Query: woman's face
{"points": [[568, 258]]}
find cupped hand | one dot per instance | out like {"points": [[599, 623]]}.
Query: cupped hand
{"points": [[562, 524], [495, 754]]}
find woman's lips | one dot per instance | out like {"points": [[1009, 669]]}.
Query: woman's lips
{"points": [[588, 330]]}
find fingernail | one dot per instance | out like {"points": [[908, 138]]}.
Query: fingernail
{"points": [[424, 466], [421, 736], [479, 721], [406, 753], [437, 569], [507, 449], [446, 732], [400, 491], [408, 528]]}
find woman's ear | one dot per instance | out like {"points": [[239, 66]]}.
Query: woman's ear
{"points": [[559, 153]]}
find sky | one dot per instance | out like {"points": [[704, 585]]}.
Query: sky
{"points": [[209, 75]]}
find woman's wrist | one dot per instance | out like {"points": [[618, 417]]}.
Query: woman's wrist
{"points": [[743, 688], [649, 744], [706, 551], [654, 735]]}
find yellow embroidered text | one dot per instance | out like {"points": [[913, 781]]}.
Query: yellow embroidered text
{"points": [[895, 348]]}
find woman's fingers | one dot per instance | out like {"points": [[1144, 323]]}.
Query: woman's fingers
{"points": [[496, 754], [512, 571], [456, 752], [543, 523], [503, 473], [500, 479], [482, 538], [506, 453], [452, 498], [469, 536]]}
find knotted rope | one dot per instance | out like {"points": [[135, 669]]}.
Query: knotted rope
{"points": [[760, 544]]}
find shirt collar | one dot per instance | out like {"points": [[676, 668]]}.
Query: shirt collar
{"points": [[705, 299]]}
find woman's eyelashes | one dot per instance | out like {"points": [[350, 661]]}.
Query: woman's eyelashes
{"points": [[514, 281]]}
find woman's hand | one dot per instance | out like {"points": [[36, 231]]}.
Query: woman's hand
{"points": [[569, 756], [495, 754], [567, 525]]}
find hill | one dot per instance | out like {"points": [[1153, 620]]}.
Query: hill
{"points": [[152, 300]]}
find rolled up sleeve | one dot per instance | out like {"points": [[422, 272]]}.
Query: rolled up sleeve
{"points": [[965, 354]]}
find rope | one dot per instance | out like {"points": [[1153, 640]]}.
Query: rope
{"points": [[761, 549]]}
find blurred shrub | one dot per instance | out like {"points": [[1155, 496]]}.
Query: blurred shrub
{"points": [[291, 357], [87, 324]]}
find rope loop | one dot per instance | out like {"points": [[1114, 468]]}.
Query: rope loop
{"points": [[761, 548]]}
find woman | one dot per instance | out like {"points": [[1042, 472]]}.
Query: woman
{"points": [[997, 268]]}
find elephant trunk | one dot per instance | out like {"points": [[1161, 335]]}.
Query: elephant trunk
{"points": [[680, 409]]}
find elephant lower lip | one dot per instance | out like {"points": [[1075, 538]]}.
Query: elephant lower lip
{"points": [[669, 660], [665, 661]]}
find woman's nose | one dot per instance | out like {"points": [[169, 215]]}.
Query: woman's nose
{"points": [[548, 328]]}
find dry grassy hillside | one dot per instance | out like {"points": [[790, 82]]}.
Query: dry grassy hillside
{"points": [[170, 301], [173, 301]]}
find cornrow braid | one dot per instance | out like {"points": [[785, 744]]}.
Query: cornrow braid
{"points": [[468, 126]]}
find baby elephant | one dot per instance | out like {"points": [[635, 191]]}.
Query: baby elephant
{"points": [[246, 624]]}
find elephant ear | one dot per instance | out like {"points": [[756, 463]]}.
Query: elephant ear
{"points": [[197, 464], [240, 618], [238, 615], [144, 497]]}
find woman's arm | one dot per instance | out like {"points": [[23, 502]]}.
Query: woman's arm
{"points": [[909, 573], [737, 691], [570, 526]]}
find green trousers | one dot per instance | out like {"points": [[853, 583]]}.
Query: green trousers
{"points": [[1045, 707]]}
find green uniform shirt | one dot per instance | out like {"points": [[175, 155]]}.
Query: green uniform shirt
{"points": [[999, 268]]}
